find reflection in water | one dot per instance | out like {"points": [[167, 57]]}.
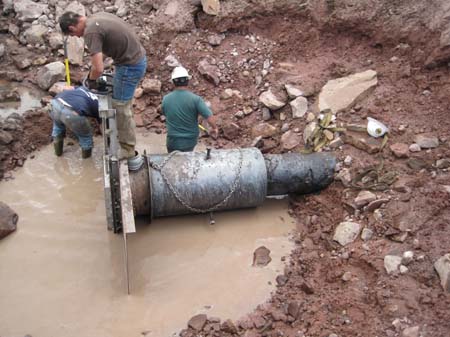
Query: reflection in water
{"points": [[62, 272], [30, 98], [79, 177]]}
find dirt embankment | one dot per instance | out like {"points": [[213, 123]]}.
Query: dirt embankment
{"points": [[20, 136], [327, 289]]}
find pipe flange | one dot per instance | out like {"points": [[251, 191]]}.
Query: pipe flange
{"points": [[136, 162]]}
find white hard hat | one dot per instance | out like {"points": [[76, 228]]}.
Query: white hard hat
{"points": [[179, 72], [376, 128]]}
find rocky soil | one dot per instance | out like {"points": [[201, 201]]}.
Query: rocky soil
{"points": [[370, 257]]}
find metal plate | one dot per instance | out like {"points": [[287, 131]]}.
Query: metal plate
{"points": [[126, 202]]}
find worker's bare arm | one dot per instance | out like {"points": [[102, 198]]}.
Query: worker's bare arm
{"points": [[213, 123], [97, 66]]}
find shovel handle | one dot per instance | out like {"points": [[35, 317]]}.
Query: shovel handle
{"points": [[66, 63]]}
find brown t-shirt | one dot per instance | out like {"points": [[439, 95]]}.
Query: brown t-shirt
{"points": [[108, 34]]}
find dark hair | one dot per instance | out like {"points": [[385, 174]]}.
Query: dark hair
{"points": [[68, 19], [180, 81]]}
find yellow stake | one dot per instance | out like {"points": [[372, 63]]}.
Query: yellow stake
{"points": [[66, 62], [201, 127]]}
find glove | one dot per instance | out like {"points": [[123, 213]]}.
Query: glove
{"points": [[101, 83], [91, 84]]}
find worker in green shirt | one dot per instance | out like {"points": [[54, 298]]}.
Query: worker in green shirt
{"points": [[182, 108]]}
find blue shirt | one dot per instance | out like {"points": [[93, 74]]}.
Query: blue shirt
{"points": [[82, 101]]}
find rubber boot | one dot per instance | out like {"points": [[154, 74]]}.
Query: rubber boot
{"points": [[125, 128], [58, 144], [126, 151], [86, 153]]}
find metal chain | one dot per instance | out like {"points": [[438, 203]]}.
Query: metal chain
{"points": [[180, 199]]}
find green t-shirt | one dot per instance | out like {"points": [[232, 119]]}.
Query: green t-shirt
{"points": [[181, 108]]}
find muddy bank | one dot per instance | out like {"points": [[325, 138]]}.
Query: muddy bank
{"points": [[20, 136]]}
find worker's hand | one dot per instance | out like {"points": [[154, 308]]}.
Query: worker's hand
{"points": [[68, 87], [91, 84], [214, 133]]}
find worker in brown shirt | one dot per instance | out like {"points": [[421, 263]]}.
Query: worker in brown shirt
{"points": [[107, 34]]}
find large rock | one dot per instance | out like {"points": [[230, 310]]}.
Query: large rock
{"points": [[289, 140], [176, 16], [73, 6], [441, 54], [261, 257], [211, 7], [8, 6], [5, 137], [443, 163], [75, 50], [55, 40], [215, 39], [209, 71], [229, 328], [271, 101], [172, 8], [151, 86], [346, 232], [413, 331], [366, 234], [362, 141], [28, 10], [10, 95], [36, 34], [50, 74], [400, 150], [266, 114], [442, 266], [299, 107], [445, 38], [426, 141], [197, 322], [172, 61], [8, 220], [293, 91], [122, 8], [21, 62], [308, 131], [392, 263], [264, 130], [231, 131], [363, 198], [344, 92]]}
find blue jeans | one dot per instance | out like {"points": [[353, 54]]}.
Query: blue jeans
{"points": [[63, 117], [126, 79]]}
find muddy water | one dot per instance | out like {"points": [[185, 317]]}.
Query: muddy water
{"points": [[62, 272], [29, 99]]}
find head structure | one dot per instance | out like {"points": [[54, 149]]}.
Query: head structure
{"points": [[180, 77], [72, 24]]}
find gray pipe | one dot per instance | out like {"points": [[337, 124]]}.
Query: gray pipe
{"points": [[298, 173], [199, 184]]}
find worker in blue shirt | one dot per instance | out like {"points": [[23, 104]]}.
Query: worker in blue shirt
{"points": [[70, 109]]}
